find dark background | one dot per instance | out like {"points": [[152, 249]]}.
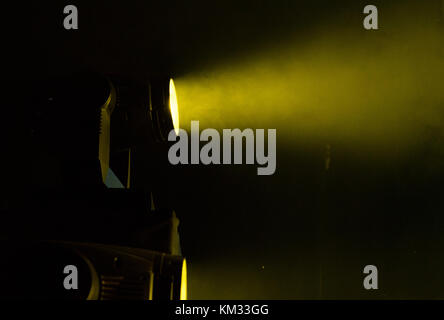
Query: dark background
{"points": [[301, 233]]}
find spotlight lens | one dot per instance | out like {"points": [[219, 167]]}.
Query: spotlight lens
{"points": [[174, 109], [183, 286]]}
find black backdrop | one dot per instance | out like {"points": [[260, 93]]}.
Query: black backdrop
{"points": [[302, 233]]}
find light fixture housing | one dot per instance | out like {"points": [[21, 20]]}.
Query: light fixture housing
{"points": [[88, 125]]}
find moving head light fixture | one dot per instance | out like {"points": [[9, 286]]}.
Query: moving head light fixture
{"points": [[100, 136], [147, 113]]}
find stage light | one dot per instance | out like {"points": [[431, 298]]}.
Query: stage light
{"points": [[184, 280], [102, 272], [105, 176], [174, 108], [146, 112], [162, 107]]}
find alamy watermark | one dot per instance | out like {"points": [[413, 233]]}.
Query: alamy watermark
{"points": [[210, 153]]}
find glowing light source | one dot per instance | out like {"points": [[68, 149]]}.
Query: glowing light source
{"points": [[174, 109], [183, 284]]}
